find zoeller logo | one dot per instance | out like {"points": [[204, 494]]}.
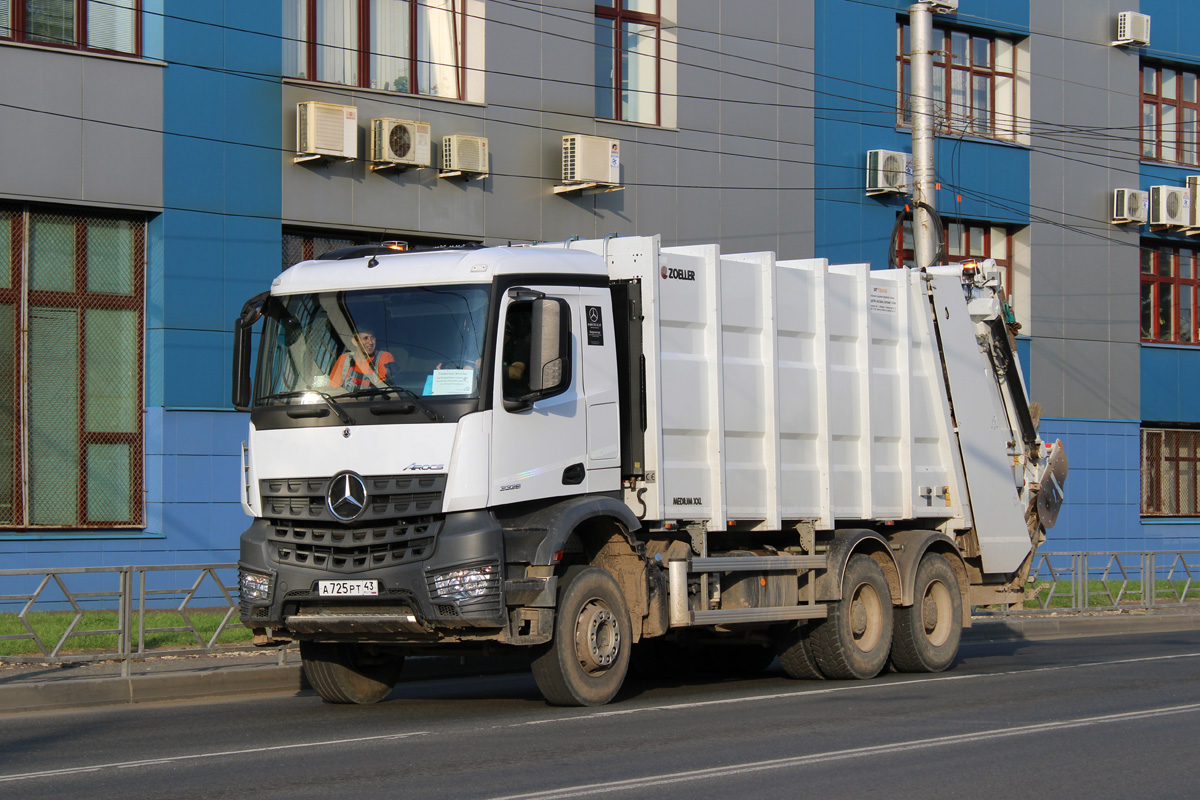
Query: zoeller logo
{"points": [[671, 273], [347, 496]]}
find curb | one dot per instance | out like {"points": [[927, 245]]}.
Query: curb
{"points": [[1067, 627], [233, 680]]}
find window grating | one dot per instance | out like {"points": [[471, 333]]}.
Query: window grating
{"points": [[71, 386], [1170, 473]]}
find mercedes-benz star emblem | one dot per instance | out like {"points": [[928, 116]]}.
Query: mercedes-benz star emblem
{"points": [[347, 496]]}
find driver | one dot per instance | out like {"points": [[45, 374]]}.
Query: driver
{"points": [[363, 366]]}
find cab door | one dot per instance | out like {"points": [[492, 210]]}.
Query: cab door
{"points": [[539, 449]]}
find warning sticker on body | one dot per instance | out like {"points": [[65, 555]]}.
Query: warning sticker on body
{"points": [[595, 325], [883, 300]]}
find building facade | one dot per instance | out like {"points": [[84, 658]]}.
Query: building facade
{"points": [[153, 175]]}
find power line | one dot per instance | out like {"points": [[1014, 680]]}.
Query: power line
{"points": [[885, 108]]}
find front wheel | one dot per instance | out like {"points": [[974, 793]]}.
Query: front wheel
{"points": [[928, 631], [349, 673], [854, 640], [586, 662]]}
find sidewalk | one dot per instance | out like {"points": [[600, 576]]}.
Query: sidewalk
{"points": [[43, 687]]}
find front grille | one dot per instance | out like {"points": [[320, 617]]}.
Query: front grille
{"points": [[348, 550], [388, 497]]}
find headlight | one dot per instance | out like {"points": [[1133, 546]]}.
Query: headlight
{"points": [[464, 584], [254, 586]]}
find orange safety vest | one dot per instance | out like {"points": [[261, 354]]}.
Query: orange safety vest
{"points": [[361, 378]]}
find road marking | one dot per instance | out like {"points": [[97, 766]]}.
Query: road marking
{"points": [[852, 687], [848, 687], [586, 790], [149, 762]]}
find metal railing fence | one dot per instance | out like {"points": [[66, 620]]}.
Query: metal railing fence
{"points": [[68, 596], [1058, 582], [1134, 579]]}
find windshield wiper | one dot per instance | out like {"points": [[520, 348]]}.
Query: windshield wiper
{"points": [[388, 388], [329, 401]]}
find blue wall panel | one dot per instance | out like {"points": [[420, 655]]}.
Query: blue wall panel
{"points": [[1170, 383], [1102, 507], [1172, 30], [856, 99]]}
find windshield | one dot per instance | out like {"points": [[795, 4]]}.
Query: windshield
{"points": [[426, 341]]}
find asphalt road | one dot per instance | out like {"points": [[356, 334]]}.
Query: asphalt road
{"points": [[1105, 717]]}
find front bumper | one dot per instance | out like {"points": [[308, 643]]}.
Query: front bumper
{"points": [[413, 604]]}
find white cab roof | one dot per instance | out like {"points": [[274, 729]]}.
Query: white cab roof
{"points": [[431, 267]]}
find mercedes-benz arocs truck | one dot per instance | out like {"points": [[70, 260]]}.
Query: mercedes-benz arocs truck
{"points": [[602, 451]]}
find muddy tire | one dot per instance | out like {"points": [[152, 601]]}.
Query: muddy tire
{"points": [[796, 654], [856, 637], [586, 662], [928, 632], [349, 673]]}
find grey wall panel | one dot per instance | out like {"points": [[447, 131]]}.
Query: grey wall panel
{"points": [[1125, 367], [1087, 376], [1047, 368], [80, 129], [657, 212], [514, 208], [678, 183], [1084, 273], [121, 165], [761, 24], [39, 159]]}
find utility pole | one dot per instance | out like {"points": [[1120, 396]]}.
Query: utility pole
{"points": [[920, 26]]}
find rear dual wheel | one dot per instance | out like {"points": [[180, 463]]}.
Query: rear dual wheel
{"points": [[853, 641], [928, 631]]}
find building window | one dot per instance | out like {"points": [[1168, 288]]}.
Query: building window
{"points": [[964, 241], [628, 59], [71, 379], [111, 26], [413, 46], [1169, 111], [974, 83], [1170, 471], [1169, 282]]}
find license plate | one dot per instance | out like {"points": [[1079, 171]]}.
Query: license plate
{"points": [[347, 588]]}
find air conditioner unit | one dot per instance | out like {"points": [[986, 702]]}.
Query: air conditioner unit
{"points": [[591, 159], [1130, 205], [399, 142], [1170, 206], [326, 129], [1193, 191], [889, 172], [464, 154], [1133, 29]]}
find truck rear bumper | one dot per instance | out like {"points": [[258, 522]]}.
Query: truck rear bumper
{"points": [[458, 585]]}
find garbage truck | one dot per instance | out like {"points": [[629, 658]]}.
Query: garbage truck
{"points": [[605, 453]]}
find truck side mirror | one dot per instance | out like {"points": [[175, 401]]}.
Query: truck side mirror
{"points": [[242, 327], [550, 347], [543, 366]]}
